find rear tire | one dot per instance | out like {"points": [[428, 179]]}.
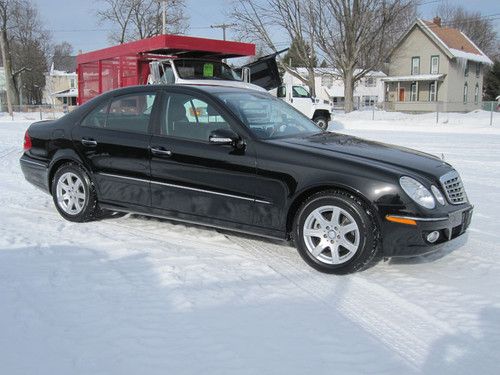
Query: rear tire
{"points": [[334, 232], [74, 194]]}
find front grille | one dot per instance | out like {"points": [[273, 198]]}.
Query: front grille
{"points": [[453, 187]]}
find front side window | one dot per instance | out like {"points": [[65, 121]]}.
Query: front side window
{"points": [[415, 65], [413, 92], [300, 92], [478, 69], [191, 118], [267, 117], [466, 89], [131, 113], [434, 64], [476, 94]]}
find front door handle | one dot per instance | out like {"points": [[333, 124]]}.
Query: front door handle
{"points": [[160, 151], [89, 142]]}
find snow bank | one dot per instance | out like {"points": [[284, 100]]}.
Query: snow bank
{"points": [[476, 122]]}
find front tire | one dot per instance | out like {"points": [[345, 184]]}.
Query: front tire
{"points": [[74, 194], [335, 233], [321, 121]]}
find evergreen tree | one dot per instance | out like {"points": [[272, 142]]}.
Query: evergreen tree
{"points": [[292, 57], [492, 82]]}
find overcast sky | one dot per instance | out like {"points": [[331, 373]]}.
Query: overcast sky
{"points": [[75, 20]]}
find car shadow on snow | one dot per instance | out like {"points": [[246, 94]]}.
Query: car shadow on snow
{"points": [[264, 245]]}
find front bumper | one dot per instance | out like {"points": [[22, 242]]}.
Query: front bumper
{"points": [[410, 240]]}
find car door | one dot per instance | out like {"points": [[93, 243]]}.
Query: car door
{"points": [[191, 177], [301, 99], [113, 140]]}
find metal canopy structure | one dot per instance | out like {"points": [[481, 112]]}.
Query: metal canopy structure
{"points": [[128, 64]]}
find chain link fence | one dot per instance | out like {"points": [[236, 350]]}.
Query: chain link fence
{"points": [[36, 112], [441, 110]]}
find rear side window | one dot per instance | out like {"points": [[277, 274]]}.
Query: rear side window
{"points": [[129, 113], [96, 118]]}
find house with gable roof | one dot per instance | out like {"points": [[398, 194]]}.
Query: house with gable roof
{"points": [[432, 63]]}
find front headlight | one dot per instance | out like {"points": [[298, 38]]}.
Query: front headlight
{"points": [[438, 195], [418, 192]]}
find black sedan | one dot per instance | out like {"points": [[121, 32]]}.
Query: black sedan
{"points": [[243, 160]]}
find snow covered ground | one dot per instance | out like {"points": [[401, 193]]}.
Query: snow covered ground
{"points": [[137, 295]]}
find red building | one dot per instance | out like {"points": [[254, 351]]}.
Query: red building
{"points": [[128, 64]]}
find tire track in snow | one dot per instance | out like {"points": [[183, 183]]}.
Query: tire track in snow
{"points": [[8, 152], [406, 328]]}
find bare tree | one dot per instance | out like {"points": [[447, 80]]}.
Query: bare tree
{"points": [[30, 50], [138, 19], [62, 57], [479, 28], [23, 45], [259, 21], [355, 36], [5, 24]]}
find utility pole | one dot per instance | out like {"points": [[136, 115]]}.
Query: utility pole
{"points": [[223, 26], [164, 16]]}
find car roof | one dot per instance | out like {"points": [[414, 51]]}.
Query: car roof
{"points": [[208, 88]]}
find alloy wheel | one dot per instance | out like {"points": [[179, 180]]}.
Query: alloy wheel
{"points": [[331, 235], [70, 193]]}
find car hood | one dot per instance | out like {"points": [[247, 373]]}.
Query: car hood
{"points": [[358, 148]]}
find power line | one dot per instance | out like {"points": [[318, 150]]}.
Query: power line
{"points": [[223, 26]]}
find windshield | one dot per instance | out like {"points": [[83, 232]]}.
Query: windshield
{"points": [[204, 69], [268, 117]]}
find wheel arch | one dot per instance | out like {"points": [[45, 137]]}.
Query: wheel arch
{"points": [[60, 158], [306, 193], [322, 113]]}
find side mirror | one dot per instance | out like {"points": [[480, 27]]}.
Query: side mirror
{"points": [[223, 137], [281, 93]]}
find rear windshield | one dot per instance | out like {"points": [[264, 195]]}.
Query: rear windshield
{"points": [[200, 69]]}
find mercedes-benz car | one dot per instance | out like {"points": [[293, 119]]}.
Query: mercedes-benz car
{"points": [[243, 160]]}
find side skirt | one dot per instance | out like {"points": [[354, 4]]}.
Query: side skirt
{"points": [[197, 220]]}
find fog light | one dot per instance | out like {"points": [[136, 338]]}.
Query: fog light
{"points": [[433, 236]]}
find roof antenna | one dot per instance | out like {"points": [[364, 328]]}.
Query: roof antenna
{"points": [[442, 156]]}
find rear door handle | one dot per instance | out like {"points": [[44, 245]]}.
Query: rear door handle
{"points": [[160, 151], [89, 142]]}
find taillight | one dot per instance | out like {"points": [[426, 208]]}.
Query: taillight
{"points": [[27, 142]]}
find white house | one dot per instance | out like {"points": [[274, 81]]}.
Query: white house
{"points": [[330, 86], [61, 88]]}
